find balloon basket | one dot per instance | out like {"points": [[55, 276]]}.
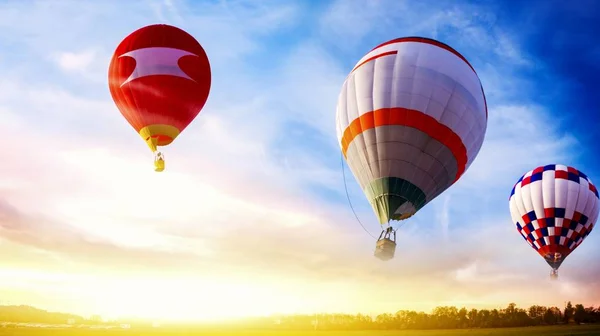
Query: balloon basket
{"points": [[159, 162], [385, 249], [554, 274], [386, 244]]}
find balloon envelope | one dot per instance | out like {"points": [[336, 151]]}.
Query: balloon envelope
{"points": [[159, 78], [554, 208], [411, 118]]}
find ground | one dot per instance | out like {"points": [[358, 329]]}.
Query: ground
{"points": [[582, 330]]}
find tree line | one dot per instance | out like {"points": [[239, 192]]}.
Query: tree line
{"points": [[28, 314], [446, 317]]}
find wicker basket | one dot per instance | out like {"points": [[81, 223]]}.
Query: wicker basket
{"points": [[385, 249]]}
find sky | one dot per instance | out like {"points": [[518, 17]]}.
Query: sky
{"points": [[251, 217]]}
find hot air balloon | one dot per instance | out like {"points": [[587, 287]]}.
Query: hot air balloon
{"points": [[554, 208], [159, 78], [411, 118]]}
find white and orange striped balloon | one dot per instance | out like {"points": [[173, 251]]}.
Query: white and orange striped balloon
{"points": [[411, 118]]}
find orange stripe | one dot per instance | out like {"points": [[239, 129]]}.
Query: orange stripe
{"points": [[399, 116]]}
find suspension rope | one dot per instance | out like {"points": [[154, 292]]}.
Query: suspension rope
{"points": [[349, 201]]}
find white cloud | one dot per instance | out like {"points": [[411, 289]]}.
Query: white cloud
{"points": [[347, 26], [519, 138], [506, 48], [469, 28], [467, 273], [75, 61]]}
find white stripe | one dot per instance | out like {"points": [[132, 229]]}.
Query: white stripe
{"points": [[422, 77]]}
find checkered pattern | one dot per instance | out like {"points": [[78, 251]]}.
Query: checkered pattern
{"points": [[545, 231], [554, 208], [569, 173]]}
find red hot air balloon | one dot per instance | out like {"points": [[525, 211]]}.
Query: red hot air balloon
{"points": [[159, 78]]}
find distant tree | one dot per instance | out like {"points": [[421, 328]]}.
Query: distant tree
{"points": [[592, 315], [509, 315], [484, 318], [472, 316], [580, 314], [495, 321], [522, 319], [551, 316], [385, 320], [537, 314], [463, 320], [568, 314]]}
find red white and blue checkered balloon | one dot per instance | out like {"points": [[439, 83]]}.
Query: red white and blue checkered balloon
{"points": [[554, 208]]}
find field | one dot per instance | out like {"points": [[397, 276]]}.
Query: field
{"points": [[531, 331]]}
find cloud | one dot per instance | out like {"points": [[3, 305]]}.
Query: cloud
{"points": [[519, 138], [72, 243], [341, 22], [75, 61], [469, 28]]}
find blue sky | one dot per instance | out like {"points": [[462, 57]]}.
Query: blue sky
{"points": [[256, 198], [560, 34]]}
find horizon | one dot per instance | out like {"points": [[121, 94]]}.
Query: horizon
{"points": [[243, 319], [252, 207]]}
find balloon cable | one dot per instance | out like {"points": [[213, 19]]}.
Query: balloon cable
{"points": [[349, 201]]}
